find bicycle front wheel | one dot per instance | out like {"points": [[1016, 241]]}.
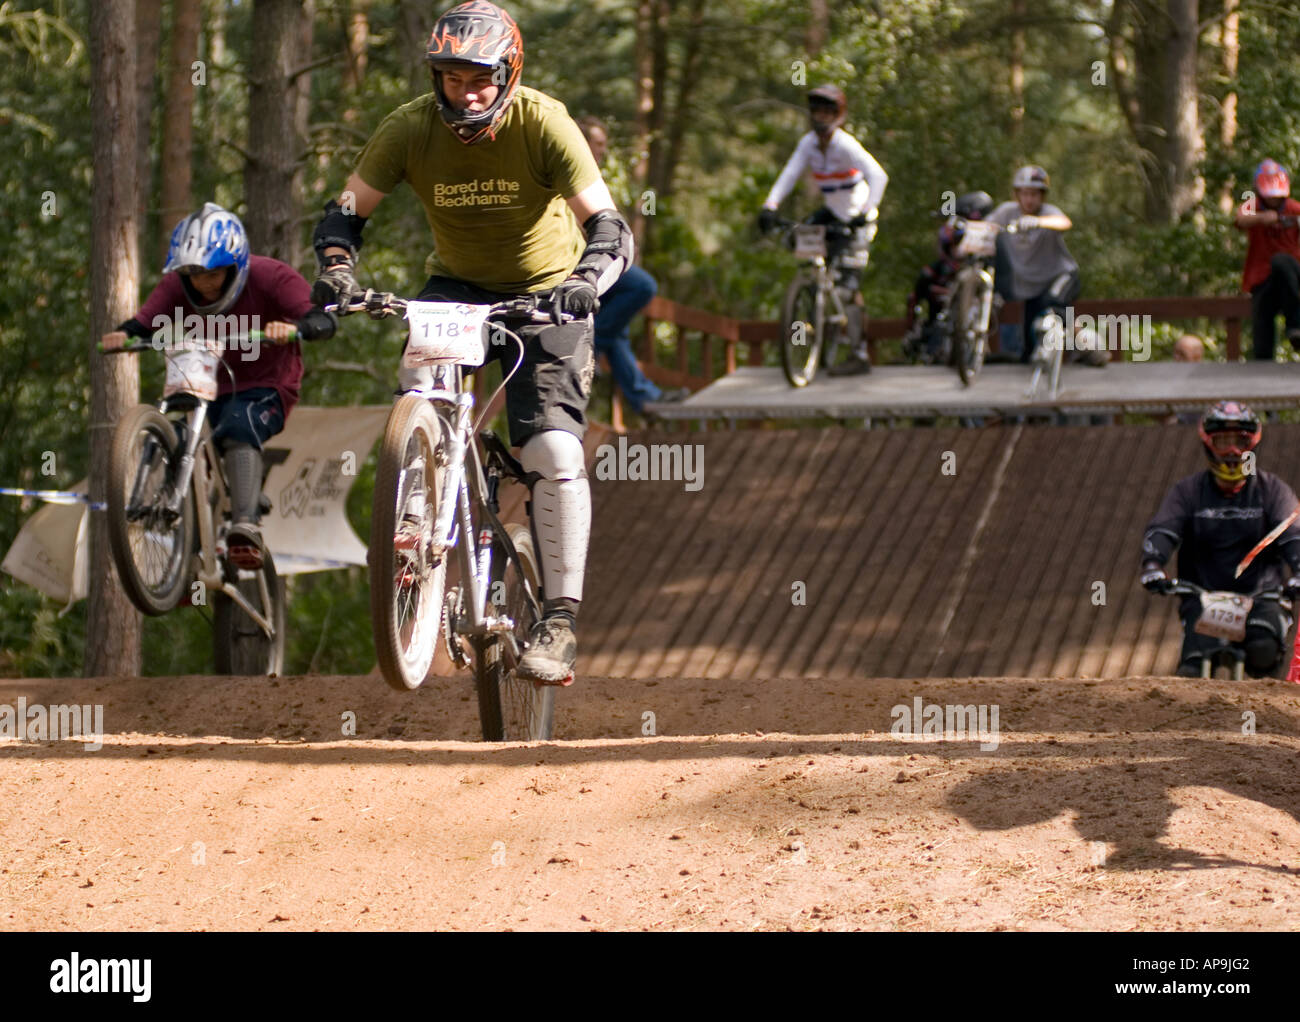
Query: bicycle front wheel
{"points": [[512, 709], [150, 540], [970, 337], [406, 584], [240, 647], [802, 329]]}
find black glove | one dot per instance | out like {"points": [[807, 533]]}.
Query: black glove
{"points": [[766, 219], [859, 221], [1291, 587], [1154, 579], [336, 284], [575, 296]]}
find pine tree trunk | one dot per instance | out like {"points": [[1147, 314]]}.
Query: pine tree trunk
{"points": [[645, 16], [1016, 76], [1230, 47], [1185, 147], [819, 26], [177, 163], [148, 21], [112, 623], [273, 142]]}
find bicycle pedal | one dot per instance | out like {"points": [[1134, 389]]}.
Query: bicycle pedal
{"points": [[245, 558]]}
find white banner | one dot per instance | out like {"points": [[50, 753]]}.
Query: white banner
{"points": [[313, 465]]}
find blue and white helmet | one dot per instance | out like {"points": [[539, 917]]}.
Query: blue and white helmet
{"points": [[208, 240]]}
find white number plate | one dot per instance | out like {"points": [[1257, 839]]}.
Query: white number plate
{"points": [[809, 241], [192, 370], [1223, 615], [980, 238], [445, 333]]}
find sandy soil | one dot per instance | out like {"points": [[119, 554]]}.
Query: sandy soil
{"points": [[240, 804]]}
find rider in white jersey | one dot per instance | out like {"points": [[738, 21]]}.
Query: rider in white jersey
{"points": [[852, 184]]}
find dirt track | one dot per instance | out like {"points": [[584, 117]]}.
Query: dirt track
{"points": [[1135, 804]]}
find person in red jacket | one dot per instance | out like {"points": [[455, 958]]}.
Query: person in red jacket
{"points": [[211, 278], [1272, 272]]}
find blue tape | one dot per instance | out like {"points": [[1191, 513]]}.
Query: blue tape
{"points": [[56, 497]]}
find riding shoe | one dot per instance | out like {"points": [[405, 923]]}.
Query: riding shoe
{"points": [[244, 546], [855, 366], [552, 652]]}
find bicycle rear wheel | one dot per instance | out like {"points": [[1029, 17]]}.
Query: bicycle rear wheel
{"points": [[150, 541], [802, 330], [405, 585], [240, 647], [512, 709]]}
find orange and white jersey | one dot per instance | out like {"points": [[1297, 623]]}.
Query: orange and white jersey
{"points": [[850, 180]]}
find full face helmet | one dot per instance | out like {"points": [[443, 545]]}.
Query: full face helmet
{"points": [[1228, 430], [827, 107], [1272, 180], [476, 36], [974, 205], [208, 240]]}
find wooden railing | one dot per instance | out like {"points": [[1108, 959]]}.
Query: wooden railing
{"points": [[721, 336]]}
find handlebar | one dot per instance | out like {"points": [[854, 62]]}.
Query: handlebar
{"points": [[1181, 587], [134, 345], [382, 304]]}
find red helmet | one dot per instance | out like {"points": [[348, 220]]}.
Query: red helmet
{"points": [[1272, 180], [479, 35], [825, 96], [1228, 430]]}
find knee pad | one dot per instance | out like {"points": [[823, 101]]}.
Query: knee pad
{"points": [[555, 455], [243, 464], [1059, 292], [1263, 651]]}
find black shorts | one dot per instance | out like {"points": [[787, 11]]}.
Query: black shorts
{"points": [[250, 417], [551, 388]]}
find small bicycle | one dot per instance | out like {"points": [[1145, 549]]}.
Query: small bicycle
{"points": [[169, 513], [1223, 617], [818, 323], [436, 489]]}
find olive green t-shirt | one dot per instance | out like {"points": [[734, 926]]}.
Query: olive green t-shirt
{"points": [[497, 208]]}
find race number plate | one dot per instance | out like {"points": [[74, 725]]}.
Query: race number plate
{"points": [[809, 241], [192, 369], [1223, 615], [978, 239], [445, 333]]}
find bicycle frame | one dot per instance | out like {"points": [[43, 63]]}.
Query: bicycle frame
{"points": [[193, 472], [463, 490]]}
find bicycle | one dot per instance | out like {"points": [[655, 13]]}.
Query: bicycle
{"points": [[971, 296], [1223, 616], [436, 488], [169, 514], [816, 321]]}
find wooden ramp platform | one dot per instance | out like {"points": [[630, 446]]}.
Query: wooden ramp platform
{"points": [[825, 553], [920, 391]]}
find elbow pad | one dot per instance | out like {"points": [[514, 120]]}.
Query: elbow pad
{"points": [[1158, 545], [609, 250], [338, 227]]}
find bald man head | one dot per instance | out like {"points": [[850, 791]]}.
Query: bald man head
{"points": [[1189, 348]]}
